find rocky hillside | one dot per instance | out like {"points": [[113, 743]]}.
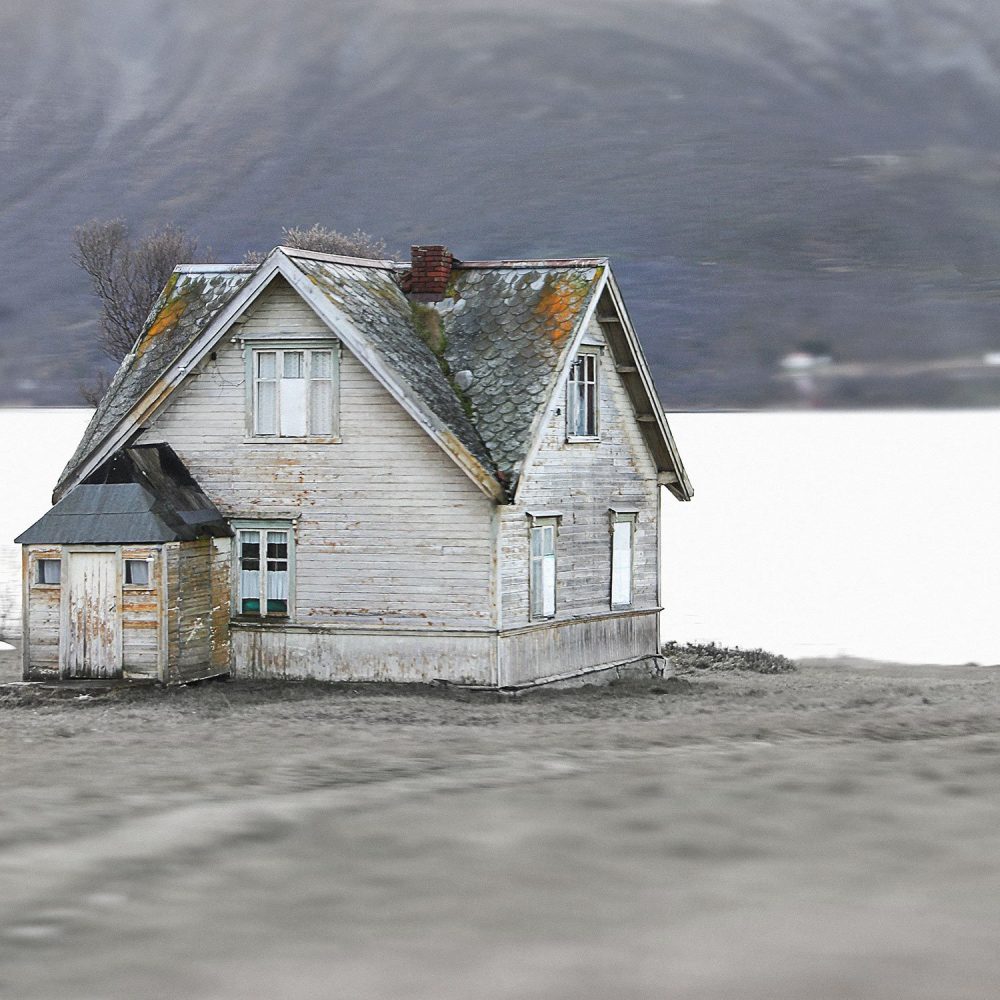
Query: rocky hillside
{"points": [[763, 173]]}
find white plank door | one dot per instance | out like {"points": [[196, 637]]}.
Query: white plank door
{"points": [[91, 635]]}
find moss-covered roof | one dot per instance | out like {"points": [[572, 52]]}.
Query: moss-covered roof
{"points": [[509, 325]]}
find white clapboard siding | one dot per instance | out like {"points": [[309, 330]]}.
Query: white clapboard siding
{"points": [[388, 527], [582, 481]]}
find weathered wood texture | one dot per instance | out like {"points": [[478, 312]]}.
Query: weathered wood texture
{"points": [[388, 528], [566, 647], [338, 653], [42, 612], [582, 481], [141, 617], [195, 635]]}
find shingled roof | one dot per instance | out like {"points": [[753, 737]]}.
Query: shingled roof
{"points": [[509, 324]]}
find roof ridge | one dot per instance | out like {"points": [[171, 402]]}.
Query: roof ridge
{"points": [[333, 258]]}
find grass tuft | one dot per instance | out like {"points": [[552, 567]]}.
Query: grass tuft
{"points": [[690, 657]]}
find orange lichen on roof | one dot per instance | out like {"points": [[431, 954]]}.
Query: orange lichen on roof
{"points": [[557, 305], [166, 319]]}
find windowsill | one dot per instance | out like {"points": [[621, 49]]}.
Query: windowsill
{"points": [[257, 619], [136, 588], [259, 439], [592, 439], [46, 586]]}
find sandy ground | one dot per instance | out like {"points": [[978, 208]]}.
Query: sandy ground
{"points": [[829, 834]]}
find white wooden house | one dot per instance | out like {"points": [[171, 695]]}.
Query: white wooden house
{"points": [[352, 469]]}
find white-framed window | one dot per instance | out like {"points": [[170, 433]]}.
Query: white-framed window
{"points": [[48, 573], [622, 557], [582, 414], [135, 573], [294, 391], [542, 566], [264, 564]]}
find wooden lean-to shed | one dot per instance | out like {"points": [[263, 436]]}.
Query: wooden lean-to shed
{"points": [[127, 576]]}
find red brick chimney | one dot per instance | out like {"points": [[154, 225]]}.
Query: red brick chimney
{"points": [[430, 269]]}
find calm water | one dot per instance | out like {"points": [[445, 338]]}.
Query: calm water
{"points": [[872, 534]]}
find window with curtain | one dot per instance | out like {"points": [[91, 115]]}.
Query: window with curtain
{"points": [[295, 392], [542, 567], [264, 568]]}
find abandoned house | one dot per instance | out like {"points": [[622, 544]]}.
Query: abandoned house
{"points": [[353, 469]]}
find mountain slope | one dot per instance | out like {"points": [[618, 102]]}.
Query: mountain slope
{"points": [[761, 173]]}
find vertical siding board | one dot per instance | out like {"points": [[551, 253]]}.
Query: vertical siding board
{"points": [[42, 614]]}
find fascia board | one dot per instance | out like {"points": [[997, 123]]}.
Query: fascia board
{"points": [[149, 403], [653, 398]]}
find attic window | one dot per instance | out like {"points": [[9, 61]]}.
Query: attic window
{"points": [[581, 399], [294, 392]]}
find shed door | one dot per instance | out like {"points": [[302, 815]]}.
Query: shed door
{"points": [[91, 633]]}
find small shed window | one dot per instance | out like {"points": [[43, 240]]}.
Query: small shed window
{"points": [[581, 398], [137, 572], [48, 571], [622, 553], [294, 392], [264, 568], [542, 567]]}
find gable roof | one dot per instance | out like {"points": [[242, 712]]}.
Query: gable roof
{"points": [[511, 324], [140, 495]]}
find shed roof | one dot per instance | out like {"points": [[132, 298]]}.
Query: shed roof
{"points": [[140, 495], [508, 323]]}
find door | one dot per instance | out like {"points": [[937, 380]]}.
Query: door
{"points": [[91, 623]]}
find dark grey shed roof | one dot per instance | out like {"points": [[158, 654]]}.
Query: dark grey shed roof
{"points": [[140, 495]]}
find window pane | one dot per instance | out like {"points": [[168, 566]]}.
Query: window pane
{"points": [[322, 364], [293, 364], [293, 407], [321, 407], [250, 554], [49, 571], [266, 364], [548, 586], [137, 572], [621, 563], [266, 405]]}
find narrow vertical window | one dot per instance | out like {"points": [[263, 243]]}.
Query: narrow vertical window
{"points": [[292, 394], [581, 398], [321, 393], [266, 393], [277, 572], [264, 570], [622, 546], [542, 568], [249, 559]]}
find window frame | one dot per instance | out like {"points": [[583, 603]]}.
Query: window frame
{"points": [[262, 527], [616, 517], [594, 355], [36, 569], [150, 583], [542, 522], [279, 346]]}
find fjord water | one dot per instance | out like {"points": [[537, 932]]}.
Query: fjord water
{"points": [[871, 534]]}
